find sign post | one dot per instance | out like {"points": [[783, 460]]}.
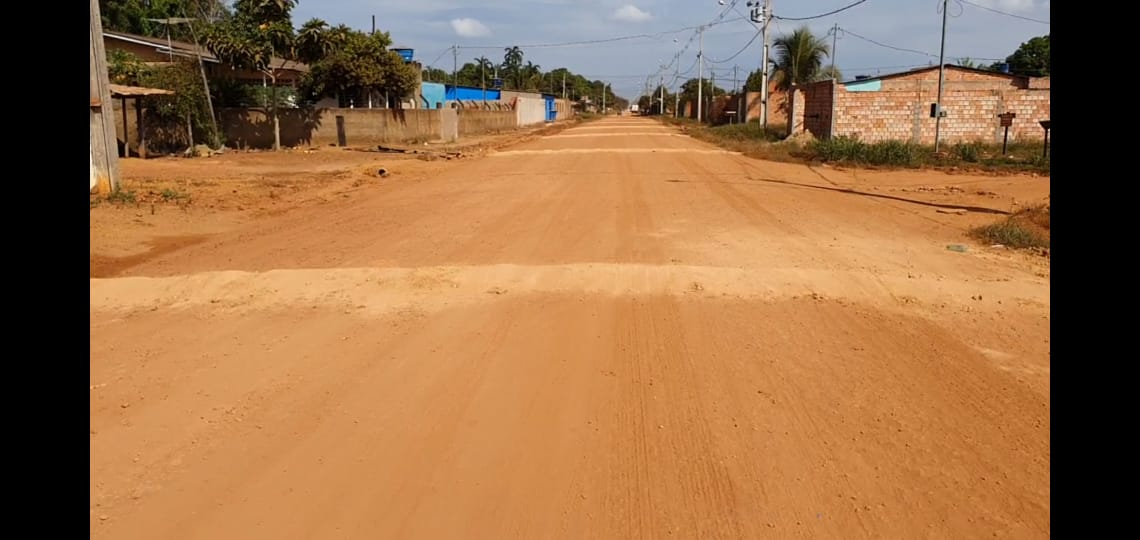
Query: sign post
{"points": [[1006, 121]]}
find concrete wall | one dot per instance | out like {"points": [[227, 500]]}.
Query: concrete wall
{"points": [[530, 111], [253, 128], [565, 108], [448, 125], [476, 122], [900, 108]]}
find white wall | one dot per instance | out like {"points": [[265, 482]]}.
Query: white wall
{"points": [[530, 111]]}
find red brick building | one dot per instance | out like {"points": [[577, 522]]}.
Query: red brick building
{"points": [[897, 106]]}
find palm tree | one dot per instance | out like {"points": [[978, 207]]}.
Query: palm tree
{"points": [[512, 62], [484, 64], [799, 58]]}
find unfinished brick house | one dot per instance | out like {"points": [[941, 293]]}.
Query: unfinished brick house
{"points": [[897, 106]]}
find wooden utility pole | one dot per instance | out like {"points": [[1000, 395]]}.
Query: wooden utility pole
{"points": [[104, 145]]}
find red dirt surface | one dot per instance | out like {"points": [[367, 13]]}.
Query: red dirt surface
{"points": [[609, 332]]}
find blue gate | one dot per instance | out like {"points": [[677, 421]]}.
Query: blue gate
{"points": [[551, 111]]}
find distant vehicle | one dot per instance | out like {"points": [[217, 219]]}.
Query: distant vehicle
{"points": [[633, 108]]}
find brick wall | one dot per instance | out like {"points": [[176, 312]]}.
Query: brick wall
{"points": [[818, 108], [900, 109], [777, 100]]}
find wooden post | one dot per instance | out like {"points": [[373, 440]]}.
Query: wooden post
{"points": [[126, 131], [141, 127], [104, 154]]}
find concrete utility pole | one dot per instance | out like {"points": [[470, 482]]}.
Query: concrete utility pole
{"points": [[604, 86], [455, 68], [700, 71], [767, 14], [662, 96], [941, 78], [712, 98], [104, 144], [735, 90], [763, 15], [834, 34], [563, 85]]}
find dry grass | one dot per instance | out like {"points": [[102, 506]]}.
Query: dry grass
{"points": [[1026, 228]]}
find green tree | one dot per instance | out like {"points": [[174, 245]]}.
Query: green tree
{"points": [[1031, 58], [350, 61], [799, 58], [830, 72], [134, 16], [187, 107], [755, 81], [260, 37], [486, 71], [436, 75], [512, 66]]}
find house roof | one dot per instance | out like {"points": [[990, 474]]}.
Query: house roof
{"points": [[191, 50], [123, 91], [933, 68]]}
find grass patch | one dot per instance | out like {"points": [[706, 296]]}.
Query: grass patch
{"points": [[169, 194], [122, 197], [771, 144], [752, 131], [1026, 228]]}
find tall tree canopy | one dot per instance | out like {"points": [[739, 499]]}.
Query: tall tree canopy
{"points": [[353, 62], [799, 58], [135, 16], [1031, 58]]}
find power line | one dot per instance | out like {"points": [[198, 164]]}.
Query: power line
{"points": [[968, 3], [903, 49], [738, 53], [845, 8]]}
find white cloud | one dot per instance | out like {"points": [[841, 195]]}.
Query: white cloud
{"points": [[467, 27], [630, 13]]}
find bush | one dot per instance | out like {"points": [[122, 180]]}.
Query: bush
{"points": [[1026, 228], [853, 150], [968, 152], [753, 131]]}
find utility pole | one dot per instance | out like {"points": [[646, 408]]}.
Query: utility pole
{"points": [[373, 25], [834, 34], [604, 85], [563, 85], [662, 95], [735, 90], [455, 68], [483, 78], [712, 98], [941, 78], [700, 71], [763, 15], [104, 144]]}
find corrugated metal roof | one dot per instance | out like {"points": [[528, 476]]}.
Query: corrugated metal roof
{"points": [[181, 48]]}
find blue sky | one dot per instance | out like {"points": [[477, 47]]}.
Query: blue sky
{"points": [[431, 26]]}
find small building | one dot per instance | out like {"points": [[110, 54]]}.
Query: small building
{"points": [[897, 106], [158, 51]]}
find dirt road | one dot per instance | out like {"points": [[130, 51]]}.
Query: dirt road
{"points": [[612, 332]]}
